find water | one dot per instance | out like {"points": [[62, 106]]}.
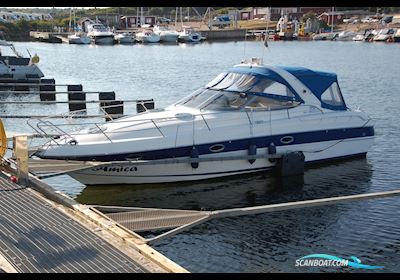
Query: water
{"points": [[369, 78]]}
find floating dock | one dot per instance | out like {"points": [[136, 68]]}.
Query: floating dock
{"points": [[41, 235]]}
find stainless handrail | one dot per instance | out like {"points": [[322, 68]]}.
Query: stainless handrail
{"points": [[46, 121]]}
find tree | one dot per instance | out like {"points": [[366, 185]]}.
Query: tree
{"points": [[308, 15]]}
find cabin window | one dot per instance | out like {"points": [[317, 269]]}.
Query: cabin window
{"points": [[198, 97], [262, 102], [227, 81], [235, 101], [216, 80], [272, 87], [227, 100], [332, 96], [243, 83]]}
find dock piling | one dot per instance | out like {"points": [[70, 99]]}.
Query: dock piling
{"points": [[48, 88], [75, 94], [144, 105]]}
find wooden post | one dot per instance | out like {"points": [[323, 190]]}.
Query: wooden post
{"points": [[21, 156]]}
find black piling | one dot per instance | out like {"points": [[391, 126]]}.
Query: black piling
{"points": [[75, 94], [144, 105], [115, 109], [290, 164], [49, 89]]}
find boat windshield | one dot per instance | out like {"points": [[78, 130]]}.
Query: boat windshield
{"points": [[99, 27], [235, 91]]}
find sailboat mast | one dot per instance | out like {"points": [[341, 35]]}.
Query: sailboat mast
{"points": [[70, 19], [181, 17], [176, 16], [74, 20], [141, 16]]}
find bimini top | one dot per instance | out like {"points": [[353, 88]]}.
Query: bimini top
{"points": [[323, 85]]}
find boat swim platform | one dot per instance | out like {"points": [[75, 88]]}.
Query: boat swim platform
{"points": [[40, 235]]}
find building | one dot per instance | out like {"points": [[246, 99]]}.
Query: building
{"points": [[327, 17], [83, 24], [274, 13], [108, 19], [245, 14], [134, 21], [339, 16], [315, 10], [9, 16]]}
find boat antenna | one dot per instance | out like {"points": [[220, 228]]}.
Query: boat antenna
{"points": [[244, 46]]}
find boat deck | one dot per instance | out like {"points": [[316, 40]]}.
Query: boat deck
{"points": [[37, 237]]}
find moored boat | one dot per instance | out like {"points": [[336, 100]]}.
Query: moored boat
{"points": [[79, 39], [384, 35], [17, 68], [188, 35], [324, 36], [166, 34], [147, 36], [100, 34], [125, 38], [396, 37], [250, 109]]}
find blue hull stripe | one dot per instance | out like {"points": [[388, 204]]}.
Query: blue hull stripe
{"points": [[235, 145]]}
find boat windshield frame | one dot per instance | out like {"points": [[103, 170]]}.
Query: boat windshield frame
{"points": [[207, 99]]}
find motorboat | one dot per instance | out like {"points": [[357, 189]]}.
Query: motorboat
{"points": [[384, 35], [396, 37], [17, 68], [345, 35], [125, 38], [324, 36], [359, 38], [100, 34], [188, 35], [251, 109], [79, 39], [146, 35], [366, 36], [166, 34]]}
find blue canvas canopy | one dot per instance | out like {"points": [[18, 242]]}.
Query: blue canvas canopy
{"points": [[267, 73], [317, 81]]}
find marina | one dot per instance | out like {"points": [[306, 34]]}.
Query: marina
{"points": [[180, 218]]}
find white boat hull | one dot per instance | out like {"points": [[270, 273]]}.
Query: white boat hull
{"points": [[189, 38], [148, 39], [162, 173], [106, 40], [169, 38], [79, 41], [125, 40]]}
